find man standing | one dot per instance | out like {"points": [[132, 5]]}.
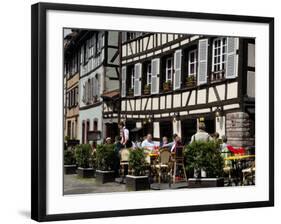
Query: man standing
{"points": [[201, 134], [124, 134]]}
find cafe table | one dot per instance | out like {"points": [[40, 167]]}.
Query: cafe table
{"points": [[239, 163]]}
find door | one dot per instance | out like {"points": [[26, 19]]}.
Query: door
{"points": [[166, 129], [188, 128], [210, 125]]}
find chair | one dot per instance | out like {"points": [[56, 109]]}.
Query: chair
{"points": [[178, 161], [163, 164], [124, 160], [249, 173]]}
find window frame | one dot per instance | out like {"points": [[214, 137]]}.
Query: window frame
{"points": [[195, 62], [148, 73], [221, 63], [169, 69]]}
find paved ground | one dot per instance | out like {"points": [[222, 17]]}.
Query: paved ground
{"points": [[76, 185]]}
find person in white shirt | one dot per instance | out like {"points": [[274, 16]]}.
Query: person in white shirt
{"points": [[148, 142], [124, 134]]}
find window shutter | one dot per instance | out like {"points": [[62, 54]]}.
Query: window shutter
{"points": [[76, 96], [97, 86], [84, 94], [124, 76], [232, 58], [177, 67], [202, 61], [124, 36], [137, 81], [82, 55], [155, 70]]}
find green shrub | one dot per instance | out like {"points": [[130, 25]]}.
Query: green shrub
{"points": [[105, 156], [69, 157], [206, 156], [83, 154], [137, 161]]}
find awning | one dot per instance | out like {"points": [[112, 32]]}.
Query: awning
{"points": [[110, 95], [136, 129]]}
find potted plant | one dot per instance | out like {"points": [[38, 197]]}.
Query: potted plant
{"points": [[105, 161], [190, 81], [146, 89], [167, 86], [131, 92], [83, 154], [204, 159], [137, 163], [69, 161]]}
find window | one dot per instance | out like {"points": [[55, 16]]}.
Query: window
{"points": [[72, 97], [148, 74], [132, 74], [87, 130], [219, 54], [192, 62], [95, 125], [98, 43], [68, 128], [83, 132], [169, 69]]}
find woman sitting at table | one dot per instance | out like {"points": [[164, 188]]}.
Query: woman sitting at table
{"points": [[148, 143]]}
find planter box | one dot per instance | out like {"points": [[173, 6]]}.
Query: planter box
{"points": [[85, 172], [205, 182], [73, 142], [104, 176], [137, 183], [70, 169]]}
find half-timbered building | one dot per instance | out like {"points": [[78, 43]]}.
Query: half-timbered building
{"points": [[171, 82], [99, 77], [71, 84]]}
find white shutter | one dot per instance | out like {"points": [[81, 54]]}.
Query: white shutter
{"points": [[202, 61], [84, 94], [177, 68], [232, 58], [155, 70], [82, 55], [137, 80], [124, 76]]}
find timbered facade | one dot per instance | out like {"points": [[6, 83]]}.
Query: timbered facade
{"points": [[99, 74], [71, 84], [170, 82]]}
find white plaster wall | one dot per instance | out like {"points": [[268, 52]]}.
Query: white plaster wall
{"points": [[90, 114], [220, 125]]}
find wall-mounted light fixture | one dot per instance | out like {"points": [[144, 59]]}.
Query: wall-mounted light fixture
{"points": [[176, 116], [218, 113]]}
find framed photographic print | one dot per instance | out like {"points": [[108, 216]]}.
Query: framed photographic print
{"points": [[140, 111]]}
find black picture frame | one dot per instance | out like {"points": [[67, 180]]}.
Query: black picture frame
{"points": [[38, 108]]}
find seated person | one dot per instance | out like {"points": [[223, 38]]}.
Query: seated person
{"points": [[148, 142], [165, 143], [176, 143]]}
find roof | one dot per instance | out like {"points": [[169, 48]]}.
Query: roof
{"points": [[110, 94]]}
